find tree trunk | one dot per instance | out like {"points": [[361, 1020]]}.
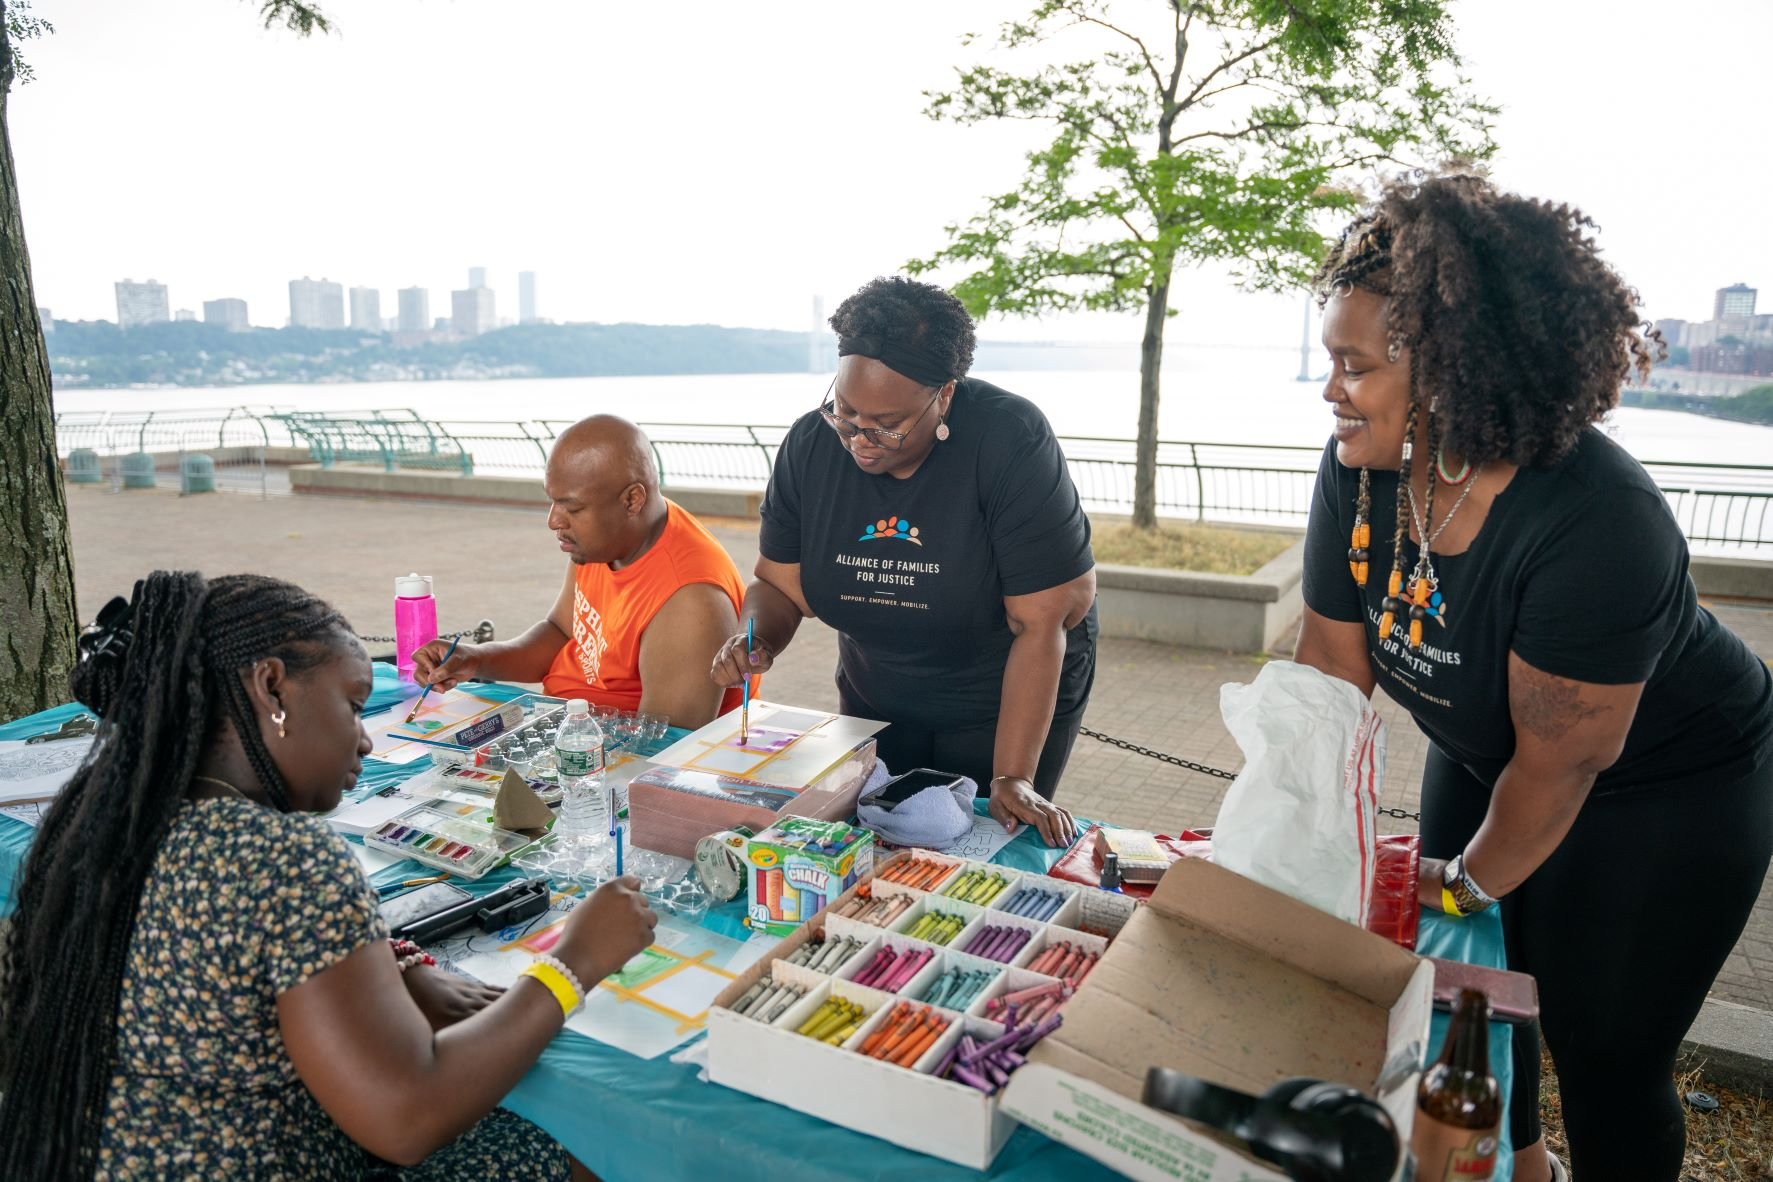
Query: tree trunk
{"points": [[37, 621], [1151, 360]]}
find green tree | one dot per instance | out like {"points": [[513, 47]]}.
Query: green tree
{"points": [[37, 613], [1188, 131]]}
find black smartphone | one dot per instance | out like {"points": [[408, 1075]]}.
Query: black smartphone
{"points": [[403, 910], [904, 786]]}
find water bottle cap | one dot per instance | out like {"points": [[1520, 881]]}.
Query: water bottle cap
{"points": [[577, 706], [413, 586]]}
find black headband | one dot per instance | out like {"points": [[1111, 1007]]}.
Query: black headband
{"points": [[920, 365]]}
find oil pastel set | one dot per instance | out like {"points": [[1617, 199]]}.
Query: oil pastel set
{"points": [[902, 1006]]}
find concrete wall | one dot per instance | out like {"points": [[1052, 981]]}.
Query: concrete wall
{"points": [[354, 480], [1229, 612], [1733, 578]]}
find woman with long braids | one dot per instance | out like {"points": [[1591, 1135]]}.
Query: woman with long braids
{"points": [[197, 983], [1601, 748]]}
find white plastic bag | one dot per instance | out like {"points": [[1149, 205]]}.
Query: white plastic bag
{"points": [[1300, 816]]}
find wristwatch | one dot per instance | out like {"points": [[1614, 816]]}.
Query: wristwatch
{"points": [[1460, 893]]}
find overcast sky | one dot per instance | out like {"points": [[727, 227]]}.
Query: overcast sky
{"points": [[711, 162]]}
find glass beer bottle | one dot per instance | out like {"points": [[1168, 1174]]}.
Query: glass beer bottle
{"points": [[1458, 1105]]}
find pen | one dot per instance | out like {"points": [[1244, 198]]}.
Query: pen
{"points": [[745, 708], [427, 693]]}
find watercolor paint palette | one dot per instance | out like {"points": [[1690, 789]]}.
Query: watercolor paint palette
{"points": [[465, 848]]}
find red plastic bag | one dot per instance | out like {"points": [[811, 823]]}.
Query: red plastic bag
{"points": [[1393, 912]]}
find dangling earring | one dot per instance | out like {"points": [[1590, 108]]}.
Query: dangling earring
{"points": [[1361, 538], [942, 431], [280, 717]]}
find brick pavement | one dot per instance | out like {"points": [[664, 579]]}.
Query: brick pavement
{"points": [[500, 564]]}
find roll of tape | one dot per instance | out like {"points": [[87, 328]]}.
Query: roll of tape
{"points": [[720, 863]]}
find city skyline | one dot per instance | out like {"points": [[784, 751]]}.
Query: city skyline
{"points": [[612, 219]]}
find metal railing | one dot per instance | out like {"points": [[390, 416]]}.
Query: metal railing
{"points": [[1718, 505]]}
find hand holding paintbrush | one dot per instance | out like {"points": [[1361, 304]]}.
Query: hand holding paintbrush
{"points": [[427, 693]]}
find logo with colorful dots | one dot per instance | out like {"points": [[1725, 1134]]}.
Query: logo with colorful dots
{"points": [[890, 529]]}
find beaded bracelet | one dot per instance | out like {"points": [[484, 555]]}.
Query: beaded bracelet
{"points": [[407, 954]]}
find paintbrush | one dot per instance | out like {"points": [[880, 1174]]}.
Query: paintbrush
{"points": [[427, 693], [745, 706]]}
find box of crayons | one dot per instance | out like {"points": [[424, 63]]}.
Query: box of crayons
{"points": [[464, 847], [901, 1008]]}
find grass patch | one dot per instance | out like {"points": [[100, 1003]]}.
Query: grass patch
{"points": [[1209, 548], [1733, 1144]]}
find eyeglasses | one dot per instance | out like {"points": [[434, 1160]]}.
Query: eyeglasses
{"points": [[879, 436]]}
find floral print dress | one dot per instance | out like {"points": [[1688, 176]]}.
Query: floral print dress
{"points": [[242, 904]]}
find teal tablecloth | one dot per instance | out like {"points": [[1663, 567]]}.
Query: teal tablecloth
{"points": [[633, 1119]]}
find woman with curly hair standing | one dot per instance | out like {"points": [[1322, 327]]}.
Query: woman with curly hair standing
{"points": [[1601, 749], [930, 518]]}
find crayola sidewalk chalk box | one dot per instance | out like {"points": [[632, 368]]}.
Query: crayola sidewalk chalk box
{"points": [[798, 865]]}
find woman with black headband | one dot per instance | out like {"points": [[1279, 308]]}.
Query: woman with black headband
{"points": [[1601, 748], [929, 517]]}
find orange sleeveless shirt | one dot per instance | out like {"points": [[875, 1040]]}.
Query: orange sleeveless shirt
{"points": [[611, 610]]}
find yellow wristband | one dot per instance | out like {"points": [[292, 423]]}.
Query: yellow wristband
{"points": [[1449, 904], [556, 983]]}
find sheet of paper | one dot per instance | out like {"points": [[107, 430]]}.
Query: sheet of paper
{"points": [[983, 842], [372, 860], [29, 814], [657, 1000], [37, 771], [814, 744]]}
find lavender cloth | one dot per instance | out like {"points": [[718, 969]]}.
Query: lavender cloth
{"points": [[934, 819]]}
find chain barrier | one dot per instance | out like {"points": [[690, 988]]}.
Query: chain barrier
{"points": [[1202, 769], [479, 634]]}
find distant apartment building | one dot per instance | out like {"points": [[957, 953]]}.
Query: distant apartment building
{"points": [[471, 311], [141, 303], [1674, 332], [316, 303], [47, 319], [476, 277], [526, 297], [1736, 300], [229, 313], [415, 310], [1738, 358], [185, 314], [366, 309]]}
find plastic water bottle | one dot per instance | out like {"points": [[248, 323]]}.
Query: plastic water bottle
{"points": [[578, 761], [415, 620]]}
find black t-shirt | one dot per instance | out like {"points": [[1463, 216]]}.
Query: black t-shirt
{"points": [[1581, 570], [913, 573]]}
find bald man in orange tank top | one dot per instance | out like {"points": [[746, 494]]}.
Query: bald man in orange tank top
{"points": [[649, 595]]}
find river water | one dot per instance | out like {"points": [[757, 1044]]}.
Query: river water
{"points": [[1209, 396]]}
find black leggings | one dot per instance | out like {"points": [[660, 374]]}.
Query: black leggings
{"points": [[1625, 926], [969, 751]]}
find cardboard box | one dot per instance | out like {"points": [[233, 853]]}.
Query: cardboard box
{"points": [[670, 809], [790, 882], [1240, 985], [908, 1106]]}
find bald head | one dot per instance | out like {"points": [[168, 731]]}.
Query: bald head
{"points": [[603, 491], [605, 454]]}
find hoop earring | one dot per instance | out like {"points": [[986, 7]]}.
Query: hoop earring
{"points": [[280, 717], [942, 431], [1440, 466]]}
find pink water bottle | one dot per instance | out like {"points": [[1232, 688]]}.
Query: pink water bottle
{"points": [[415, 620]]}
